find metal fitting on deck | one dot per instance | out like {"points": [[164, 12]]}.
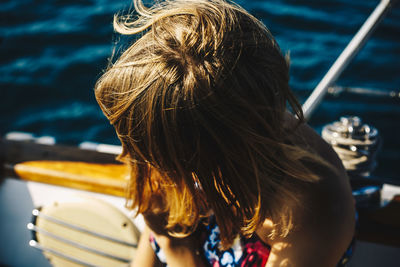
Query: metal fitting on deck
{"points": [[355, 143]]}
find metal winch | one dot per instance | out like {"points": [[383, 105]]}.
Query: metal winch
{"points": [[355, 143]]}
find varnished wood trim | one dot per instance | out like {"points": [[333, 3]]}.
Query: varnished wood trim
{"points": [[102, 178]]}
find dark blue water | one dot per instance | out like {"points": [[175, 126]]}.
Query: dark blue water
{"points": [[52, 52]]}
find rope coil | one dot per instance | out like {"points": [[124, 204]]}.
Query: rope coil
{"points": [[355, 143]]}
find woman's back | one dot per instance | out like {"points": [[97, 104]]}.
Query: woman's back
{"points": [[324, 217], [199, 103]]}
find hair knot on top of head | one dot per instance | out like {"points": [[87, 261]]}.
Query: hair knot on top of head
{"points": [[197, 40]]}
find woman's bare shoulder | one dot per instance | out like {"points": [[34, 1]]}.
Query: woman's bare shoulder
{"points": [[333, 189], [304, 135], [323, 227], [323, 217]]}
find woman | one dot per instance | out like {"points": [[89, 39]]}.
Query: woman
{"points": [[221, 171]]}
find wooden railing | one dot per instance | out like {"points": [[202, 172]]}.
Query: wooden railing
{"points": [[64, 166]]}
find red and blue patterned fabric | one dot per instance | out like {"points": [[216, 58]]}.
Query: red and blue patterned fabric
{"points": [[245, 252], [252, 252]]}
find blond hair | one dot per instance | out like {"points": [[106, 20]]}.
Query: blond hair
{"points": [[198, 102]]}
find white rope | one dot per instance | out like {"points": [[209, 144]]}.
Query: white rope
{"points": [[355, 144]]}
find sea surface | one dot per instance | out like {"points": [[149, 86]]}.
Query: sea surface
{"points": [[53, 51]]}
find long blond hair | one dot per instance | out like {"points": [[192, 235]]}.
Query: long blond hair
{"points": [[198, 102]]}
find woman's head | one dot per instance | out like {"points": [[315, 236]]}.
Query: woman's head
{"points": [[198, 104]]}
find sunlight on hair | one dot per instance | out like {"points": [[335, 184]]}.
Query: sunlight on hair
{"points": [[200, 99]]}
